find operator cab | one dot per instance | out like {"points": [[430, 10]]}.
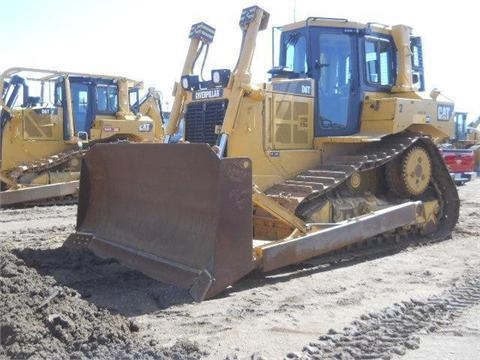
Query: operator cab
{"points": [[345, 60], [90, 97], [44, 94]]}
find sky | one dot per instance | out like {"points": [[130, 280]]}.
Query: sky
{"points": [[148, 39]]}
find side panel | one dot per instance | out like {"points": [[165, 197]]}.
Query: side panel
{"points": [[105, 127], [390, 115], [42, 123], [252, 137], [292, 114], [19, 148]]}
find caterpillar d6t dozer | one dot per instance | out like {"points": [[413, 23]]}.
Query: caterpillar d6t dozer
{"points": [[48, 118], [336, 148]]}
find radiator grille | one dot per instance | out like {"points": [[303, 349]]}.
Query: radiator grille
{"points": [[201, 118]]}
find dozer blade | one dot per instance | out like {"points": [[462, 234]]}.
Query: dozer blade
{"points": [[175, 212]]}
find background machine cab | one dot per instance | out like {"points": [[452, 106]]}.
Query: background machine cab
{"points": [[48, 117]]}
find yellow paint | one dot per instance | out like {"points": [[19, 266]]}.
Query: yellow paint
{"points": [[36, 133], [275, 129]]}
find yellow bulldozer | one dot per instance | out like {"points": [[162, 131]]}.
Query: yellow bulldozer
{"points": [[49, 118], [338, 147], [466, 135]]}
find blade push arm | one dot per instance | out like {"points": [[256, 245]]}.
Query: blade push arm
{"points": [[200, 34], [252, 20]]}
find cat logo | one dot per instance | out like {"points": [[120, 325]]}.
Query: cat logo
{"points": [[146, 127], [444, 112]]}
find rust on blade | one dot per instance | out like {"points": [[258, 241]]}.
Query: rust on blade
{"points": [[176, 212]]}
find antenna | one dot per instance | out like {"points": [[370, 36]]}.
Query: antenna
{"points": [[294, 10]]}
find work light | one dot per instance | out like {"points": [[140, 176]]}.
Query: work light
{"points": [[190, 82], [220, 77]]}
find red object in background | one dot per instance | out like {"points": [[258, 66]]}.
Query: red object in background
{"points": [[459, 160]]}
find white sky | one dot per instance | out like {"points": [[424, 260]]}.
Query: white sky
{"points": [[147, 39]]}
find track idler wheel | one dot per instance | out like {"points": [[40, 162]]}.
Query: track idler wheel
{"points": [[410, 174]]}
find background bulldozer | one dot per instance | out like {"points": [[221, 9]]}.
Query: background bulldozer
{"points": [[49, 117], [338, 147], [462, 153], [466, 135]]}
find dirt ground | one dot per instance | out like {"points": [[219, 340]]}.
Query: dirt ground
{"points": [[419, 302]]}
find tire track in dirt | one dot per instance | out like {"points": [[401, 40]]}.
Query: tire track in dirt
{"points": [[394, 330], [38, 227], [36, 237], [38, 213]]}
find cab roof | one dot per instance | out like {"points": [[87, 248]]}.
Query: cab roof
{"points": [[337, 23]]}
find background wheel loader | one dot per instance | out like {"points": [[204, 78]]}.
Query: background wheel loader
{"points": [[338, 147], [49, 117]]}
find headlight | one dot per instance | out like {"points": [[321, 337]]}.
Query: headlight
{"points": [[185, 82], [216, 77], [190, 82], [220, 77]]}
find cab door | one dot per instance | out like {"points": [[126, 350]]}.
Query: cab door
{"points": [[82, 114], [335, 70]]}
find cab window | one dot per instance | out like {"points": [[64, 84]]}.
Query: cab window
{"points": [[58, 94], [379, 62], [107, 99], [134, 100], [296, 53]]}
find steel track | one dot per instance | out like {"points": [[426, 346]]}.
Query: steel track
{"points": [[314, 186]]}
